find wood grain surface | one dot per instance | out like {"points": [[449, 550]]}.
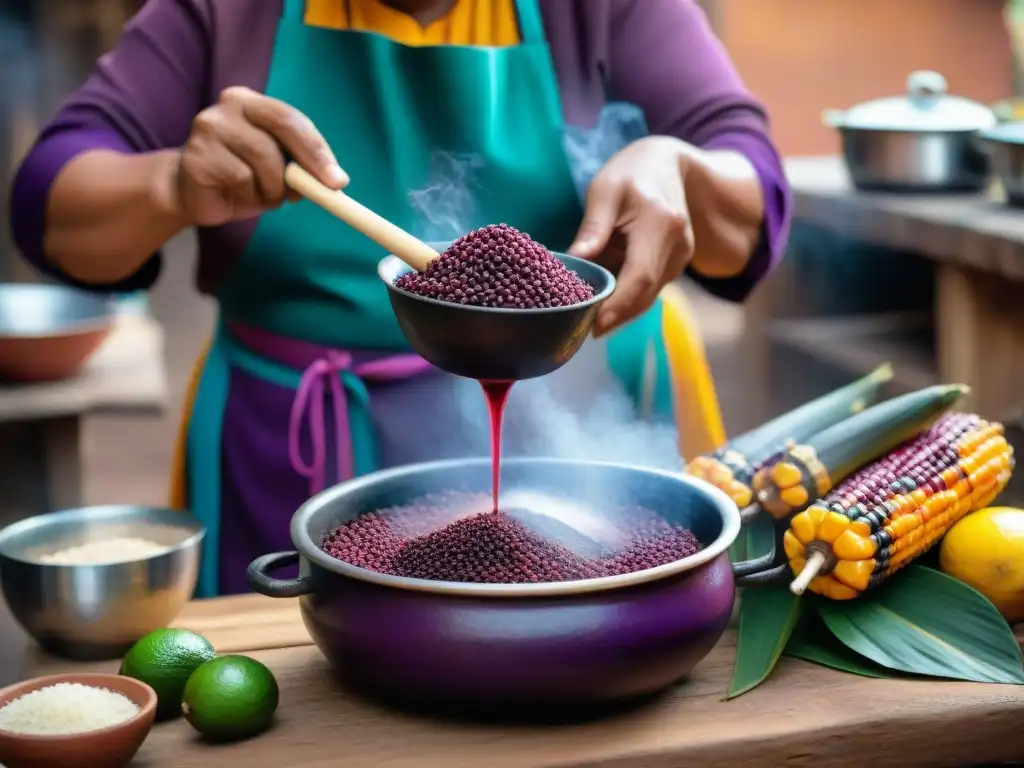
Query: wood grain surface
{"points": [[978, 232], [804, 717], [233, 624]]}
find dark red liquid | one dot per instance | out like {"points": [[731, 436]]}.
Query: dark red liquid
{"points": [[496, 393]]}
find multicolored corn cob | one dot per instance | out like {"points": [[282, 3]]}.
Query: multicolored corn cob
{"points": [[732, 467], [893, 511]]}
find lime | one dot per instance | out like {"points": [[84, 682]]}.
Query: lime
{"points": [[164, 660], [230, 697]]}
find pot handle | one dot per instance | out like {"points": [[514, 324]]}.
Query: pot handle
{"points": [[265, 584], [763, 570]]}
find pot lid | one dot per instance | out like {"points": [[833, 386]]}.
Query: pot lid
{"points": [[1006, 133], [926, 107]]}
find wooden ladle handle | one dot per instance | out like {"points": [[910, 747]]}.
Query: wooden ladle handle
{"points": [[396, 240]]}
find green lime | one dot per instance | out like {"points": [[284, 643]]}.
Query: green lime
{"points": [[164, 660], [230, 697]]}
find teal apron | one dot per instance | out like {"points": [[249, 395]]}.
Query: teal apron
{"points": [[386, 109]]}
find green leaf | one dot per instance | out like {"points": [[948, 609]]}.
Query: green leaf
{"points": [[812, 641], [767, 618], [755, 539], [927, 623], [738, 549]]}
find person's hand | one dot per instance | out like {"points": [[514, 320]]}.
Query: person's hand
{"points": [[232, 166], [637, 224]]}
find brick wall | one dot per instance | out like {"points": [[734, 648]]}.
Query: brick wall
{"points": [[801, 56]]}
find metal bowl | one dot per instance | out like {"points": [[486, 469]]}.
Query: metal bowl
{"points": [[510, 647], [98, 611], [491, 343], [47, 332], [1006, 145]]}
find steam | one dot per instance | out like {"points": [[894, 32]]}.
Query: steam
{"points": [[580, 412], [445, 206], [587, 150]]}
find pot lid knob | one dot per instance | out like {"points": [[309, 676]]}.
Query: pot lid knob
{"points": [[926, 88]]}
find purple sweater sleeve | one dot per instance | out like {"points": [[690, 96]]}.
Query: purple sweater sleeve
{"points": [[140, 97], [664, 57]]}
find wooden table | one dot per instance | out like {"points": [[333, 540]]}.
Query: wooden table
{"points": [[977, 246], [41, 424], [803, 717]]}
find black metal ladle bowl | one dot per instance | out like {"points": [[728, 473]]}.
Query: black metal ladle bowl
{"points": [[491, 343]]}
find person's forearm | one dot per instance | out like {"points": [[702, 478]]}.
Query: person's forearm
{"points": [[108, 212], [726, 205]]}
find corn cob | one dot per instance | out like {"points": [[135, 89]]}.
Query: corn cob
{"points": [[731, 468], [809, 471], [893, 511]]}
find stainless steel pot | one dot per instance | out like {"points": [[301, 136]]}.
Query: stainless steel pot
{"points": [[1006, 147], [926, 141]]}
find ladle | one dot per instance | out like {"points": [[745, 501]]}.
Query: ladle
{"points": [[396, 240], [477, 342]]}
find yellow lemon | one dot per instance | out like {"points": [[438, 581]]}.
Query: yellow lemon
{"points": [[986, 551]]}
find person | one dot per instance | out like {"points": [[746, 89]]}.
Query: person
{"points": [[308, 379]]}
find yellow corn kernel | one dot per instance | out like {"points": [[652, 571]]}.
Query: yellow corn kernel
{"points": [[795, 496], [832, 589], [740, 493], [699, 464], [784, 474], [719, 475], [803, 526], [850, 546], [860, 528], [794, 548], [854, 573], [833, 526]]}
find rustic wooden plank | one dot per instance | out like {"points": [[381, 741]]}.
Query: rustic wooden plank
{"points": [[980, 334], [126, 374], [976, 231], [237, 624], [804, 717]]}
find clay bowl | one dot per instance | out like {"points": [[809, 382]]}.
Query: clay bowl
{"points": [[47, 332], [111, 747], [509, 649], [490, 343]]}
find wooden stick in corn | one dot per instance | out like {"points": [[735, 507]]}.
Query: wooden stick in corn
{"points": [[894, 510]]}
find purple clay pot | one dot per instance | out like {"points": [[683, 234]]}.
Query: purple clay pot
{"points": [[585, 643]]}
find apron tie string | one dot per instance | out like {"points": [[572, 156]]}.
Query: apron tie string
{"points": [[323, 375]]}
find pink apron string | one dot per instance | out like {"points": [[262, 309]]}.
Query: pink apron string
{"points": [[308, 407]]}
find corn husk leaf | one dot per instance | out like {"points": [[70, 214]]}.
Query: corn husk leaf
{"points": [[813, 642], [767, 618], [924, 622]]}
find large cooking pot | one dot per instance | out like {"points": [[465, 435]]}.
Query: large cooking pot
{"points": [[591, 642], [925, 141]]}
